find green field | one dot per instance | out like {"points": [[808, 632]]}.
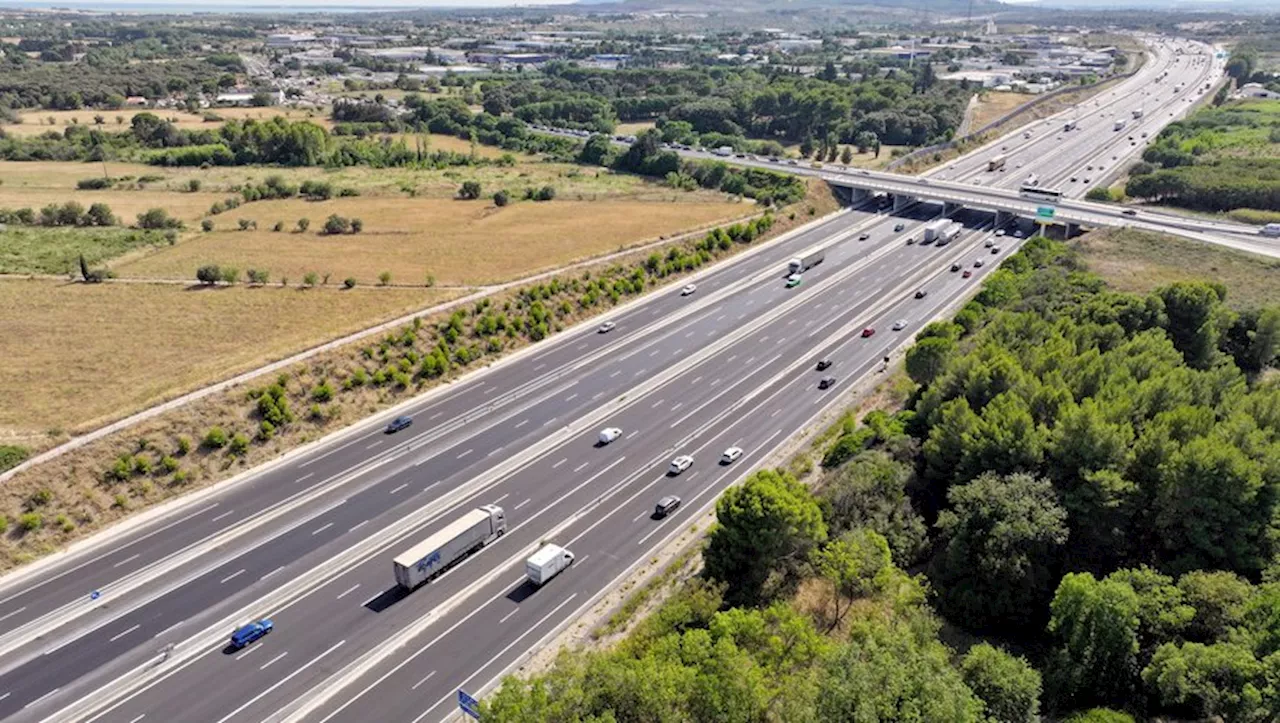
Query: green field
{"points": [[57, 250]]}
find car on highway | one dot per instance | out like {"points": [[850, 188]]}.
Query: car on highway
{"points": [[1129, 212], [1073, 179], [995, 250], [826, 382], [900, 324], [1017, 233], [250, 632], [607, 327], [955, 266], [869, 331], [911, 240], [688, 289], [977, 263], [924, 181], [666, 506], [989, 243], [398, 424], [967, 273], [731, 455], [899, 226], [824, 364], [864, 236], [794, 280], [680, 464], [865, 172], [609, 434], [1088, 167], [921, 293]]}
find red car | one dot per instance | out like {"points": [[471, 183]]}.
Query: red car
{"points": [[867, 332], [967, 273]]}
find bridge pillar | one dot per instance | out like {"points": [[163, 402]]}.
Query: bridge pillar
{"points": [[949, 208], [900, 202], [1003, 217], [1072, 230]]}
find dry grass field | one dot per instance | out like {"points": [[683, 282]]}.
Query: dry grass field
{"points": [[993, 104], [36, 122], [126, 205], [1139, 261], [459, 242], [77, 355]]}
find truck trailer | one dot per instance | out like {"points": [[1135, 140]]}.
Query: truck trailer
{"points": [[546, 563], [935, 229], [463, 536], [949, 233], [801, 264]]}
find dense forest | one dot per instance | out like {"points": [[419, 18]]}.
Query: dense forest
{"points": [[1088, 479], [1219, 159]]}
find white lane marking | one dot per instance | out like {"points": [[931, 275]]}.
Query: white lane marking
{"points": [[571, 397], [522, 504], [579, 563], [501, 498], [304, 477], [540, 366], [135, 720], [580, 467], [358, 526], [464, 454], [420, 682], [437, 415], [549, 422], [657, 404], [121, 635], [126, 561], [500, 653], [284, 680], [583, 345], [406, 484], [6, 695], [228, 513], [249, 650], [326, 526], [375, 444], [348, 591], [37, 700], [719, 318], [730, 359], [495, 450], [642, 371], [433, 484], [171, 627], [654, 352], [232, 576], [642, 514], [696, 380], [269, 574], [764, 338], [677, 406], [273, 660], [611, 376], [632, 433], [507, 617], [9, 615], [715, 382], [522, 423], [557, 464], [677, 351], [597, 396]]}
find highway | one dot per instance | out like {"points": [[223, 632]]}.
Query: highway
{"points": [[134, 627]]}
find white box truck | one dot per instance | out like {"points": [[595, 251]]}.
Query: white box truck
{"points": [[463, 536], [935, 229], [724, 151], [801, 264], [546, 563], [1119, 125], [948, 234]]}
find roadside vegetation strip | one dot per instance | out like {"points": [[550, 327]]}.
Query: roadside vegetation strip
{"points": [[224, 433]]}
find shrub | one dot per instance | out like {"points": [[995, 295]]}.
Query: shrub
{"points": [[357, 225], [239, 445], [121, 501], [278, 227], [257, 276], [157, 218], [169, 464], [336, 224], [93, 184], [303, 224], [322, 392], [30, 522], [316, 190], [206, 225], [230, 274], [470, 190], [216, 438], [546, 193], [209, 274], [384, 278], [184, 446], [310, 278], [349, 282], [193, 185], [348, 192], [64, 523], [246, 224], [501, 198]]}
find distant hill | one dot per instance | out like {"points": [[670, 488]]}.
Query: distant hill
{"points": [[790, 6]]}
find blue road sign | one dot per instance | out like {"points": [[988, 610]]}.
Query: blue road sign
{"points": [[469, 705]]}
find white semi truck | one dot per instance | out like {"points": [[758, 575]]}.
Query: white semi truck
{"points": [[463, 536], [801, 264], [941, 231], [549, 561]]}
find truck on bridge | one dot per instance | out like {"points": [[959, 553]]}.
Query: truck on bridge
{"points": [[460, 538]]}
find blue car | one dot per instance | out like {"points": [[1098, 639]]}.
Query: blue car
{"points": [[249, 632], [398, 424]]}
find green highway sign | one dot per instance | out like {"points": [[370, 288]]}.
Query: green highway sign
{"points": [[1045, 212]]}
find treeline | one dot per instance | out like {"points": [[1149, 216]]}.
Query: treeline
{"points": [[1220, 159], [101, 81], [647, 157], [1085, 475], [899, 106], [70, 213]]}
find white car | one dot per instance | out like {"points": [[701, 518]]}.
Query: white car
{"points": [[607, 327], [609, 434], [900, 324], [989, 243], [680, 464], [731, 455], [688, 289]]}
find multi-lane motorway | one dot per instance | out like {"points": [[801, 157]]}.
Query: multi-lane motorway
{"points": [[133, 628]]}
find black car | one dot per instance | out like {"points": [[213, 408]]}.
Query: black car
{"points": [[955, 267], [398, 424], [899, 227], [921, 293], [824, 364], [1129, 212], [864, 237], [826, 382]]}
